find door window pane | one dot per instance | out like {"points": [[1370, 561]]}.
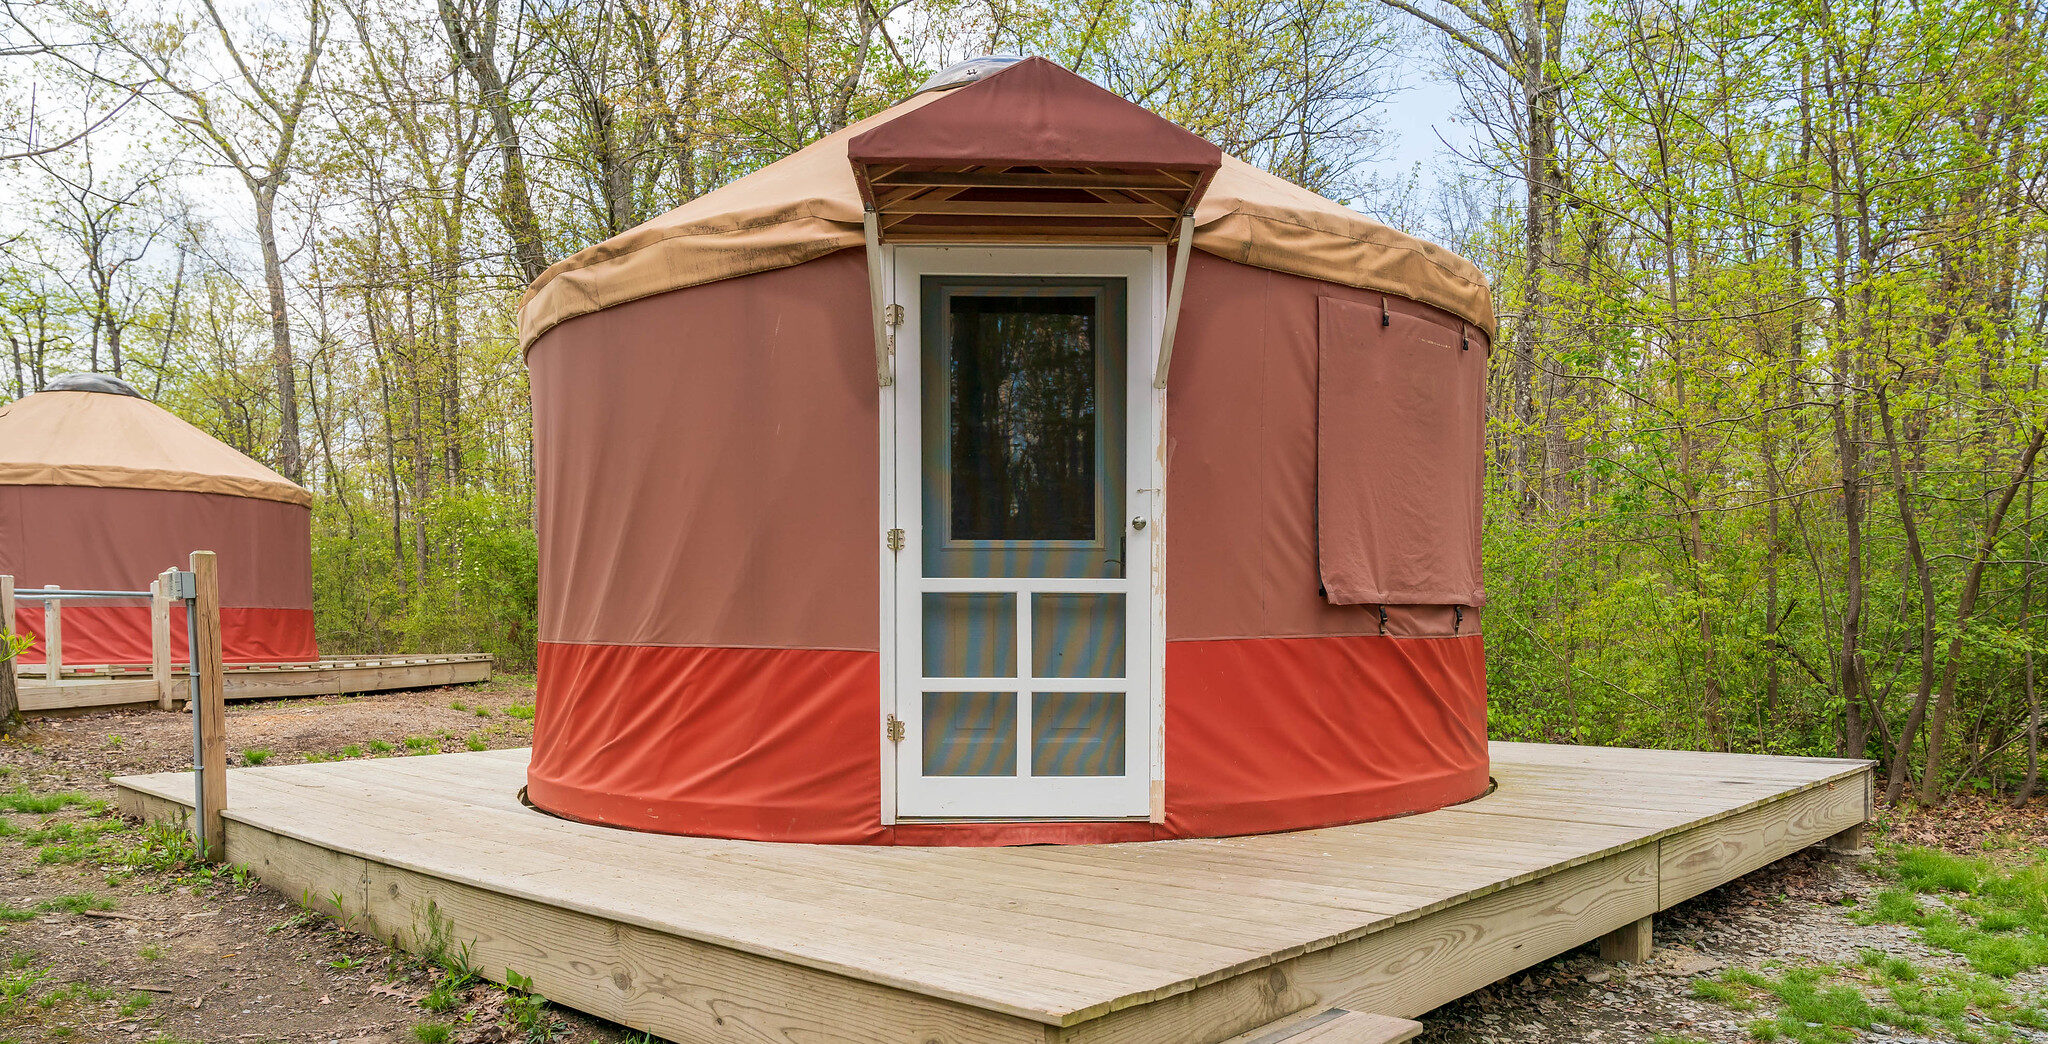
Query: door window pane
{"points": [[1023, 418], [1077, 734], [1077, 635], [970, 734], [970, 635]]}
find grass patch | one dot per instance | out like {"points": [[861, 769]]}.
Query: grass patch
{"points": [[381, 747], [523, 711], [1837, 1004], [21, 799], [351, 751], [255, 756], [1992, 915], [476, 742], [432, 1032], [422, 744]]}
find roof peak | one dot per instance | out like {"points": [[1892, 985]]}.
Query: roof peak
{"points": [[104, 384]]}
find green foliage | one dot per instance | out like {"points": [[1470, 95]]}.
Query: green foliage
{"points": [[473, 586], [255, 756], [527, 1011], [432, 1032]]}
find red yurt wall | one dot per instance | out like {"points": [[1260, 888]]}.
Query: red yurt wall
{"points": [[708, 505], [120, 539]]}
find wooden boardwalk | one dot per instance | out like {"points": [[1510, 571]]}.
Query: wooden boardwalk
{"points": [[1188, 942], [108, 686]]}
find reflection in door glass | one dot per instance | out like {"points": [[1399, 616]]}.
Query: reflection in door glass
{"points": [[1077, 734], [1023, 421], [970, 733]]}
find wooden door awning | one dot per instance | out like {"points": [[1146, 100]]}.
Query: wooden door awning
{"points": [[1025, 203]]}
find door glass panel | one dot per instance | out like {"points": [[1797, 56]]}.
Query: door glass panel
{"points": [[1077, 635], [1077, 734], [1022, 431], [970, 635], [1023, 452], [970, 734]]}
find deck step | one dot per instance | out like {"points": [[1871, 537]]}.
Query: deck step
{"points": [[1338, 1026]]}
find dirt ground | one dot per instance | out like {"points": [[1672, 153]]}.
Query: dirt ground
{"points": [[108, 934]]}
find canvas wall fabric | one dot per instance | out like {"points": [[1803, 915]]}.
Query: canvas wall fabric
{"points": [[808, 205], [79, 438], [92, 538], [709, 515]]}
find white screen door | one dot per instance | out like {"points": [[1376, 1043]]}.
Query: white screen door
{"points": [[1024, 449]]}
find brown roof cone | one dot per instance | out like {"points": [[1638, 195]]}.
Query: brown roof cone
{"points": [[1030, 152]]}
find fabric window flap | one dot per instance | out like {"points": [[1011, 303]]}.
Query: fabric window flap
{"points": [[1400, 430]]}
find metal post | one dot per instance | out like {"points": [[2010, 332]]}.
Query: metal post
{"points": [[188, 593]]}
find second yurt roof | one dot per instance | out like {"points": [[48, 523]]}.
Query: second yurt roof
{"points": [[102, 438], [811, 203]]}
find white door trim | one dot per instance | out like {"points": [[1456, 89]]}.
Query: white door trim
{"points": [[1139, 794]]}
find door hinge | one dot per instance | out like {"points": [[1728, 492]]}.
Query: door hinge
{"points": [[893, 315], [894, 729], [895, 540]]}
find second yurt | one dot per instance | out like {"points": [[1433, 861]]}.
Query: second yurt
{"points": [[1010, 467], [101, 489]]}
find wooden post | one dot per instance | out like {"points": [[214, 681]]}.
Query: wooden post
{"points": [[160, 639], [1631, 942], [53, 637], [209, 715], [10, 689], [1849, 842]]}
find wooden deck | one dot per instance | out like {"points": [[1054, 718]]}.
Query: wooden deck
{"points": [[106, 686], [1189, 942]]}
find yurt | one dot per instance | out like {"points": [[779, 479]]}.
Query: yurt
{"points": [[1011, 467], [101, 489]]}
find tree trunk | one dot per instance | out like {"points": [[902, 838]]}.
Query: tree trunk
{"points": [[10, 697], [283, 367], [1966, 605], [1916, 554], [515, 197]]}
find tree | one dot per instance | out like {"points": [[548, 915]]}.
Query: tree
{"points": [[243, 101]]}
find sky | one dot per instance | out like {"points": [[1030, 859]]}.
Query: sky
{"points": [[1420, 121]]}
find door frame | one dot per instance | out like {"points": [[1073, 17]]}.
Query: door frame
{"points": [[1144, 270]]}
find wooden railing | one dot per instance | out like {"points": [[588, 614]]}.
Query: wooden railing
{"points": [[199, 590]]}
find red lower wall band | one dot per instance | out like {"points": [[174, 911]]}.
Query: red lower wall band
{"points": [[1262, 735], [110, 634]]}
